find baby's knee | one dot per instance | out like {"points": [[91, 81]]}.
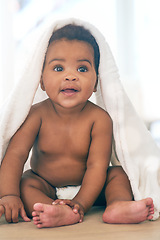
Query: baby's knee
{"points": [[29, 180], [115, 171]]}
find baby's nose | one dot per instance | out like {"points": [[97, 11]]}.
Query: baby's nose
{"points": [[71, 77]]}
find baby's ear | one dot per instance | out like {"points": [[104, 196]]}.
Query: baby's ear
{"points": [[95, 87], [42, 84]]}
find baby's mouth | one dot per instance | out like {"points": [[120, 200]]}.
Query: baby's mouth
{"points": [[69, 91]]}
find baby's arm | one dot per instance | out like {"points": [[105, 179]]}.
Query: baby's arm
{"points": [[12, 167], [97, 164]]}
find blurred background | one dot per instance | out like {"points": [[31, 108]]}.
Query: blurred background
{"points": [[131, 27]]}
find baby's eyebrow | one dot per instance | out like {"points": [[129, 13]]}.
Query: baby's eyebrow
{"points": [[63, 60], [85, 60], [56, 59]]}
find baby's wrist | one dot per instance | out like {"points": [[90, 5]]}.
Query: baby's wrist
{"points": [[9, 195]]}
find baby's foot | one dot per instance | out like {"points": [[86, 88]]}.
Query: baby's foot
{"points": [[45, 215], [129, 211]]}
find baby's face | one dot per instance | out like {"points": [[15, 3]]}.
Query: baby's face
{"points": [[69, 76]]}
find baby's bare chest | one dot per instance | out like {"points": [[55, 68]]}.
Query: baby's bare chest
{"points": [[65, 139]]}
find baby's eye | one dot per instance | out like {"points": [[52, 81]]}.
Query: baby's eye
{"points": [[82, 69], [58, 68]]}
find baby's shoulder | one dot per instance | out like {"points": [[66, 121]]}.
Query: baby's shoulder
{"points": [[102, 122], [39, 108], [98, 112], [43, 105]]}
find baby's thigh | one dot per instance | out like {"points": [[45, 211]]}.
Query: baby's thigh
{"points": [[31, 180]]}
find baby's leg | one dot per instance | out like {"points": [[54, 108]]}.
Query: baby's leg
{"points": [[120, 205], [37, 196], [35, 189]]}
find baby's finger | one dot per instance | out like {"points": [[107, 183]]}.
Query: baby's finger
{"points": [[8, 214], [76, 208], [68, 202], [81, 216], [2, 210], [57, 201], [24, 215], [15, 215]]}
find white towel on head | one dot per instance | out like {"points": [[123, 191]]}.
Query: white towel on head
{"points": [[134, 146]]}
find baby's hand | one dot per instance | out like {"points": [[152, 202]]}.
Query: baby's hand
{"points": [[12, 206], [77, 208]]}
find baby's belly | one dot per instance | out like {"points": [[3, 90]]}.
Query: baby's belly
{"points": [[60, 173]]}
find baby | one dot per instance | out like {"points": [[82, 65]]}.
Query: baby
{"points": [[71, 139]]}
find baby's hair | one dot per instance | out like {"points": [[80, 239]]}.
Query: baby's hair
{"points": [[76, 32]]}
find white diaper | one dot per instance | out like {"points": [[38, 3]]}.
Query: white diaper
{"points": [[68, 192]]}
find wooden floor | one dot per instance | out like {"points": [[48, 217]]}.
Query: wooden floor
{"points": [[91, 228]]}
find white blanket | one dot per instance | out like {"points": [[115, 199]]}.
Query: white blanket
{"points": [[134, 146]]}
